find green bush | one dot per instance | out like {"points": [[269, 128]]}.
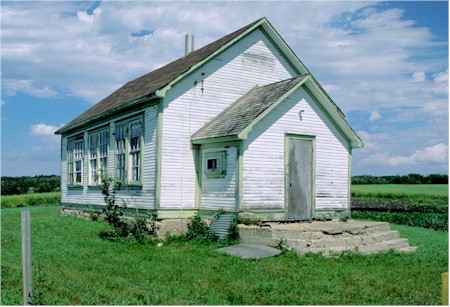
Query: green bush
{"points": [[199, 230], [133, 225]]}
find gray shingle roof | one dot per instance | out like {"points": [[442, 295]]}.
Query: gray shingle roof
{"points": [[148, 84], [245, 110]]}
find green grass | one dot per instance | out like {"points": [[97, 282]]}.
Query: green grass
{"points": [[74, 266], [436, 190], [31, 200]]}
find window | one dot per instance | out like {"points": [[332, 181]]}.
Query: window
{"points": [[120, 152], [135, 150], [129, 151], [215, 164], [75, 160], [98, 156]]}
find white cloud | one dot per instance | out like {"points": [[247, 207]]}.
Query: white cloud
{"points": [[375, 115], [418, 77], [434, 154], [366, 138], [13, 86], [43, 130]]}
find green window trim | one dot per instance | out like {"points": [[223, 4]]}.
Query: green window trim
{"points": [[128, 151], [75, 157], [98, 155], [215, 164]]}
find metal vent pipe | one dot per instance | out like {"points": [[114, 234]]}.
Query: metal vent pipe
{"points": [[189, 44]]}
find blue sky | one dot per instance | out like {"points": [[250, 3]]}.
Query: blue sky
{"points": [[385, 64]]}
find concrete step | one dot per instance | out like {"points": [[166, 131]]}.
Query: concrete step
{"points": [[384, 246], [326, 238]]}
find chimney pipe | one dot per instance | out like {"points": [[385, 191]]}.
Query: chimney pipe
{"points": [[189, 44]]}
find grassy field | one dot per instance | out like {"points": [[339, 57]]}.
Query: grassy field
{"points": [[439, 190], [72, 265], [31, 200]]}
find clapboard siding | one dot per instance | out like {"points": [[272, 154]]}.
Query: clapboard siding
{"points": [[140, 198], [264, 156], [220, 193], [187, 108]]}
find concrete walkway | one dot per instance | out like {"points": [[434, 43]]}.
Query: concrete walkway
{"points": [[249, 251]]}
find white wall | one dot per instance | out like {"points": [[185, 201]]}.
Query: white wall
{"points": [[253, 60], [264, 156]]}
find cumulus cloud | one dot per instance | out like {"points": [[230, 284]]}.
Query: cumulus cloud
{"points": [[418, 77], [13, 86], [433, 154], [43, 130], [366, 138], [374, 116]]}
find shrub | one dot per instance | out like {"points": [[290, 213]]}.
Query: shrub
{"points": [[123, 226], [199, 230]]}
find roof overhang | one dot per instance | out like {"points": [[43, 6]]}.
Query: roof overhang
{"points": [[148, 98]]}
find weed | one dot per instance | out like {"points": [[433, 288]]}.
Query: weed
{"points": [[199, 230], [249, 221], [344, 218], [282, 246], [92, 214]]}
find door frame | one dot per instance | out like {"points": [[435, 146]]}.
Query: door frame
{"points": [[311, 138]]}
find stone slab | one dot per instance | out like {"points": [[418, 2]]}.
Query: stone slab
{"points": [[249, 251]]}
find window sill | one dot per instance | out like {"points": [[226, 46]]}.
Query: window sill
{"points": [[131, 186], [216, 175], [75, 187], [94, 187]]}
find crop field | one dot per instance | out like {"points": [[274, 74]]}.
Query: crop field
{"points": [[434, 190], [72, 265], [422, 205]]}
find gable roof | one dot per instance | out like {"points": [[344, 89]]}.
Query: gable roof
{"points": [[233, 120], [236, 121], [156, 83], [147, 85]]}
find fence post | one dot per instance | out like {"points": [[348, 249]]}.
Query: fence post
{"points": [[445, 289], [26, 257]]}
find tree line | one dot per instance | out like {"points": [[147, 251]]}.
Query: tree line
{"points": [[407, 179], [27, 184], [41, 183]]}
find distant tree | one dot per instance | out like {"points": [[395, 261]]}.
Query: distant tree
{"points": [[26, 184], [408, 179]]}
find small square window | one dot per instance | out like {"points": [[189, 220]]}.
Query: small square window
{"points": [[215, 164]]}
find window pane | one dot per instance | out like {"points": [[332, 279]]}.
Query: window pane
{"points": [[136, 129], [78, 166], [103, 143]]}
